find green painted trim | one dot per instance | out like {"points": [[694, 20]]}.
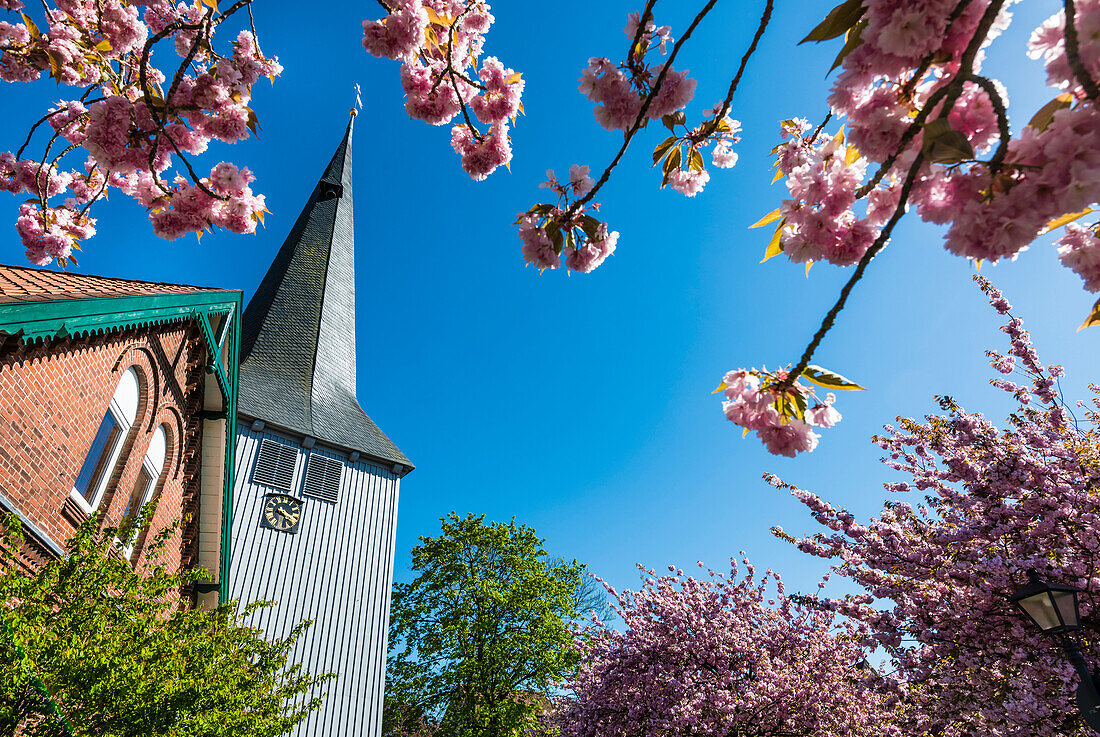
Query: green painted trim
{"points": [[34, 321], [232, 372], [215, 366]]}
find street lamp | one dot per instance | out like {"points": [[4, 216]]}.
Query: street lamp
{"points": [[1053, 609]]}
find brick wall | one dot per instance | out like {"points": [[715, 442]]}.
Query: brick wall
{"points": [[53, 395]]}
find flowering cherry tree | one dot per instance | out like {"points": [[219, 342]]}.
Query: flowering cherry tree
{"points": [[926, 132], [937, 570], [149, 89], [725, 655]]}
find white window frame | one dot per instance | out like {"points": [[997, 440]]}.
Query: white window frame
{"points": [[123, 407], [154, 466]]}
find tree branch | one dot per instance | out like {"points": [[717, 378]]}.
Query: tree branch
{"points": [[1073, 54]]}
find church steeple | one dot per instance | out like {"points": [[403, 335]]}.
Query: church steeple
{"points": [[297, 368]]}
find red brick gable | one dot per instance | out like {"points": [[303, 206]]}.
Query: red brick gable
{"points": [[25, 284]]}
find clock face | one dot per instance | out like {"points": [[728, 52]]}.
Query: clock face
{"points": [[282, 512]]}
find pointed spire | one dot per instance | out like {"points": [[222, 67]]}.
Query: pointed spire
{"points": [[298, 330]]}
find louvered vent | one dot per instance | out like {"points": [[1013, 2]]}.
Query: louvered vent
{"points": [[275, 465], [323, 478]]}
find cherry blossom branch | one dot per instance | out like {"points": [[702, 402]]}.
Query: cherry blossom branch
{"points": [[102, 189], [233, 9], [647, 14], [1073, 54], [824, 122], [903, 144], [450, 69], [926, 62], [641, 117], [765, 18], [878, 245], [952, 89], [1005, 135]]}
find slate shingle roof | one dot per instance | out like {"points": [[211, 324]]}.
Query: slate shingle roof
{"points": [[298, 330], [26, 284]]}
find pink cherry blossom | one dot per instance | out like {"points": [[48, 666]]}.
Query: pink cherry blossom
{"points": [[127, 135], [722, 654], [1079, 249], [929, 576]]}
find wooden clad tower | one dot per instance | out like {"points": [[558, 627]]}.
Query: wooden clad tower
{"points": [[316, 487]]}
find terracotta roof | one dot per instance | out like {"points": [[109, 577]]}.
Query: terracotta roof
{"points": [[26, 284]]}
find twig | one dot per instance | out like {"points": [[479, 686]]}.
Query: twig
{"points": [[450, 68], [647, 13], [952, 90], [878, 245], [88, 204], [765, 18], [1002, 121], [825, 122], [19, 153], [1073, 53], [642, 113]]}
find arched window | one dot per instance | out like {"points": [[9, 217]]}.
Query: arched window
{"points": [[98, 466], [146, 484]]}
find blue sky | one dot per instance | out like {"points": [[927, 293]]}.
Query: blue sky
{"points": [[581, 405]]}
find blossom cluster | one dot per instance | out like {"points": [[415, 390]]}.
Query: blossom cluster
{"points": [[723, 654], [680, 155], [439, 43], [620, 91], [550, 231], [904, 63], [937, 570], [818, 222], [1079, 249], [130, 128], [778, 410]]}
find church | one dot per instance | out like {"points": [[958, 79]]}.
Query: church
{"points": [[315, 496], [244, 424]]}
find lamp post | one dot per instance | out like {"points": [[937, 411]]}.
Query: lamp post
{"points": [[1053, 609]]}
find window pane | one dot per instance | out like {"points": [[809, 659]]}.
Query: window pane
{"points": [[137, 496], [94, 465]]}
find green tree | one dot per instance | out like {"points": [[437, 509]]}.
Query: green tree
{"points": [[480, 635], [91, 648]]}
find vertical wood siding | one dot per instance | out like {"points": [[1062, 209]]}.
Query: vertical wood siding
{"points": [[337, 571]]}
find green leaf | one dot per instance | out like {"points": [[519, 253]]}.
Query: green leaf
{"points": [[662, 148], [696, 160], [35, 33], [839, 20], [829, 380], [1093, 318], [589, 225], [775, 245], [851, 43], [945, 145], [673, 119], [672, 162], [800, 405], [771, 217], [1045, 115], [556, 238], [1066, 219]]}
